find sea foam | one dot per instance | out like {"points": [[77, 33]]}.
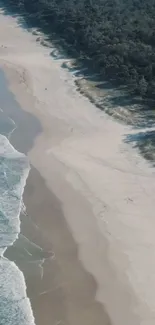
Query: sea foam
{"points": [[15, 308]]}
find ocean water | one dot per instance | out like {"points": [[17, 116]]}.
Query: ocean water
{"points": [[14, 168], [15, 308]]}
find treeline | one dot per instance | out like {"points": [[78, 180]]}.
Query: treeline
{"points": [[117, 35]]}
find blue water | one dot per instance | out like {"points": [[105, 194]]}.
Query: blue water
{"points": [[15, 308]]}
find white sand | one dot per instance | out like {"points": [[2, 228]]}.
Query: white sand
{"points": [[106, 188]]}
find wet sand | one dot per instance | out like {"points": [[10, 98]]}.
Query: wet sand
{"points": [[60, 290], [66, 293]]}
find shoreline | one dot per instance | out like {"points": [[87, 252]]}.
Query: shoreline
{"points": [[35, 235], [101, 185]]}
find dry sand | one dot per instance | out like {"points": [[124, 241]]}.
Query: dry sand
{"points": [[105, 190]]}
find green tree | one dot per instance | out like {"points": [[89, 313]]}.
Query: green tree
{"points": [[143, 86]]}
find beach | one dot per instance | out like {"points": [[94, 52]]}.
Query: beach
{"points": [[87, 244]]}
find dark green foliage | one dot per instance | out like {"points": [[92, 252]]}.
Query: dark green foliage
{"points": [[117, 35]]}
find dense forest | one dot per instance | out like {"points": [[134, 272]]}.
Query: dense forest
{"points": [[118, 36]]}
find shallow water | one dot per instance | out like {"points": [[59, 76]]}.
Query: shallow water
{"points": [[15, 307]]}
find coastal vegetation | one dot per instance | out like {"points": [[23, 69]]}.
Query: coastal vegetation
{"points": [[116, 36]]}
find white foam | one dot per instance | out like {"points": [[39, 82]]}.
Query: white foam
{"points": [[15, 307]]}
